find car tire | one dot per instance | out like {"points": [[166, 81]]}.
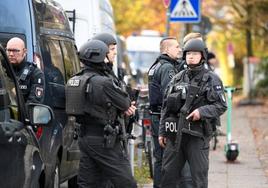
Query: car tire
{"points": [[72, 183]]}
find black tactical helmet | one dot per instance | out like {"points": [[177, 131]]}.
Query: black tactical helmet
{"points": [[196, 45], [107, 38], [93, 51]]}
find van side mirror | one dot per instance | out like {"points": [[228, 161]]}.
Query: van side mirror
{"points": [[40, 114]]}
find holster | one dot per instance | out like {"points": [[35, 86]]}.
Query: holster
{"points": [[110, 135], [77, 131]]}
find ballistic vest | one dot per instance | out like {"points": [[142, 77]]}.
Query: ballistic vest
{"points": [[83, 99]]}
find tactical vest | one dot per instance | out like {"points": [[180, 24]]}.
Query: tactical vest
{"points": [[83, 103], [177, 94], [76, 89], [155, 93], [176, 99]]}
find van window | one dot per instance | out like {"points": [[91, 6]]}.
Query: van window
{"points": [[8, 95], [50, 16], [7, 82], [14, 16], [70, 59], [52, 58]]}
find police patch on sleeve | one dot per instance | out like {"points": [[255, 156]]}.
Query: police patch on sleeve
{"points": [[39, 92], [217, 88], [171, 74]]}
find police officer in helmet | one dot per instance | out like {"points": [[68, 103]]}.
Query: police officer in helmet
{"points": [[111, 43], [30, 77], [95, 99], [193, 97]]}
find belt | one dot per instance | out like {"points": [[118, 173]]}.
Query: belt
{"points": [[90, 120], [95, 140]]}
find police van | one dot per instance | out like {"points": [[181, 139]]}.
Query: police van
{"points": [[87, 18], [50, 44]]}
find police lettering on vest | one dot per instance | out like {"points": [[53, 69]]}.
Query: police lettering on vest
{"points": [[76, 90], [171, 126]]}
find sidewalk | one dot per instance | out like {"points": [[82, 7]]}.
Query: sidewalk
{"points": [[246, 171]]}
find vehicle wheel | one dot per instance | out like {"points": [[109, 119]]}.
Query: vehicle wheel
{"points": [[232, 151], [72, 183], [231, 155], [56, 176], [149, 156]]}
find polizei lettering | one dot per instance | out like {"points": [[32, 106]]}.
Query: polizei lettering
{"points": [[171, 126]]}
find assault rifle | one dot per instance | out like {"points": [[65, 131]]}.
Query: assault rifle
{"points": [[133, 94], [127, 129], [184, 112], [124, 136]]}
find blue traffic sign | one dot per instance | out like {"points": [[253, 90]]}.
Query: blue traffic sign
{"points": [[188, 11]]}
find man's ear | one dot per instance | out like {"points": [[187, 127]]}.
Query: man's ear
{"points": [[24, 51], [106, 60]]}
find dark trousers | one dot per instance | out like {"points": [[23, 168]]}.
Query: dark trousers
{"points": [[193, 149], [97, 162], [185, 174]]}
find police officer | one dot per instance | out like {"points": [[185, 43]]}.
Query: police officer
{"points": [[159, 75], [182, 65], [96, 100], [111, 43], [193, 96], [30, 77]]}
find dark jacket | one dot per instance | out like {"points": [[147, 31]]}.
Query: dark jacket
{"points": [[31, 81], [159, 75]]}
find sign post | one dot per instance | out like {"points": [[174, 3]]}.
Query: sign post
{"points": [[166, 5], [187, 11]]}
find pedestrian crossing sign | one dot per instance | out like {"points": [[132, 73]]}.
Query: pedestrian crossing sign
{"points": [[187, 11]]}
